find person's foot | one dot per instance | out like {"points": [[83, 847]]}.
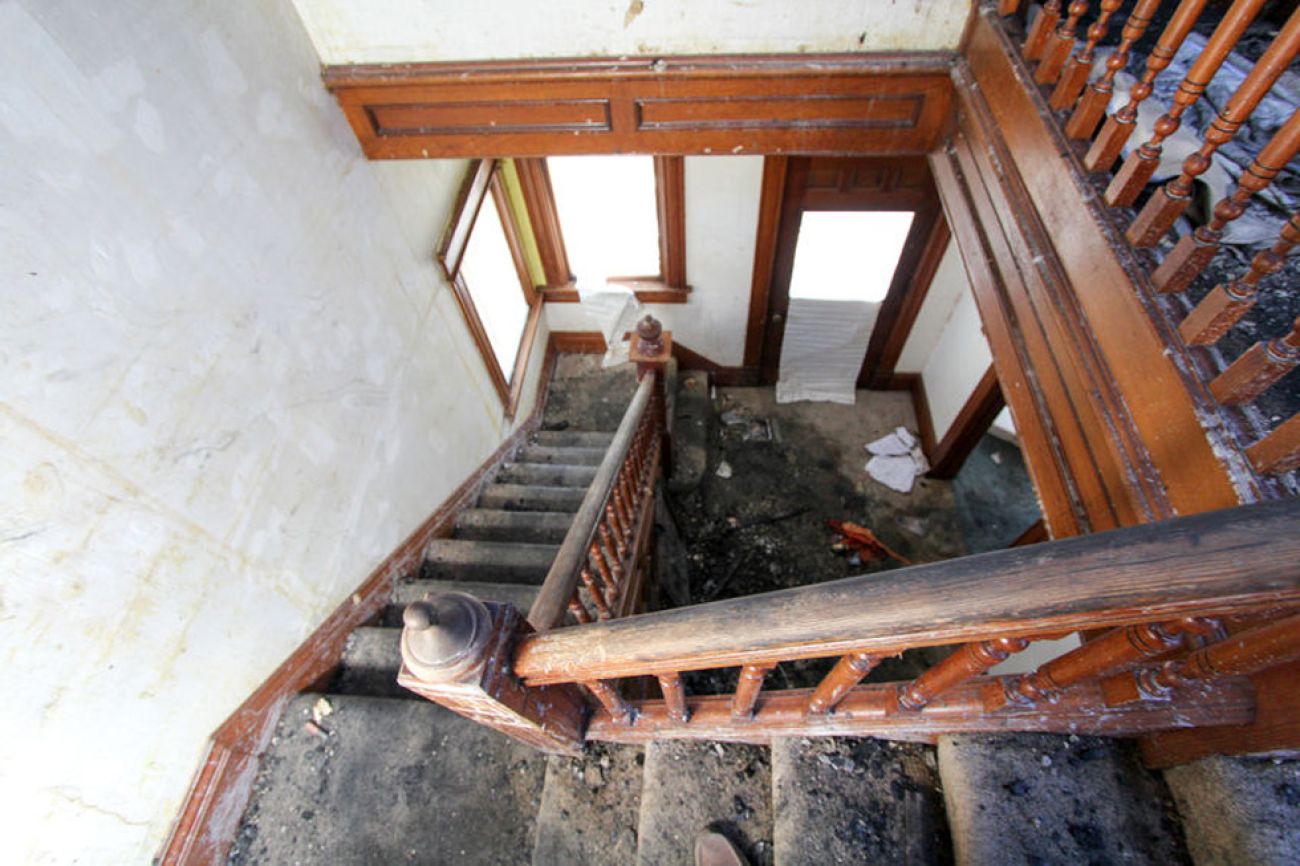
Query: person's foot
{"points": [[714, 849]]}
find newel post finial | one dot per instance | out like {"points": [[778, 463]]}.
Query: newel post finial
{"points": [[651, 347]]}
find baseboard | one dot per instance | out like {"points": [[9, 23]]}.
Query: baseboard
{"points": [[920, 407], [209, 818]]}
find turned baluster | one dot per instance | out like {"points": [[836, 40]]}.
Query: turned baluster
{"points": [[1059, 46], [1141, 164], [619, 710], [747, 689], [611, 551], [674, 697], [1092, 107], [1243, 653], [1168, 203], [611, 516], [624, 515], [1279, 451], [579, 610], [1228, 302], [1258, 367], [593, 590], [597, 555], [1076, 73], [1112, 650], [1196, 250], [847, 673], [1043, 25], [1107, 147], [969, 661]]}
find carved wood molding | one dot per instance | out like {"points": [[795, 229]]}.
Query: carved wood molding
{"points": [[888, 103]]}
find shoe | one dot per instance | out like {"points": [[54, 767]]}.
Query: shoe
{"points": [[714, 849]]}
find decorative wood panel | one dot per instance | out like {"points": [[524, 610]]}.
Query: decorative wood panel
{"points": [[851, 104]]}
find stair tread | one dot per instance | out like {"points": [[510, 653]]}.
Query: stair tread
{"points": [[550, 474], [690, 784], [579, 438], [1239, 810], [566, 454], [589, 808], [391, 782], [1054, 799], [851, 800], [488, 561], [368, 666], [531, 497], [495, 524], [521, 595]]}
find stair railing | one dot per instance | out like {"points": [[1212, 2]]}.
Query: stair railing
{"points": [[1179, 612], [1083, 116]]}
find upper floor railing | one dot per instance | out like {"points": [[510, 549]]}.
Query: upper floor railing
{"points": [[1082, 87]]}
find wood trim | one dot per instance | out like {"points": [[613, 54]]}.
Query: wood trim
{"points": [[1035, 534], [579, 342], [778, 294], [970, 425], [670, 205], [721, 375], [765, 244], [915, 385], [878, 103], [894, 334], [1186, 566], [539, 199], [209, 817], [648, 290]]}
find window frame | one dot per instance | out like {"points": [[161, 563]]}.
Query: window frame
{"points": [[481, 180], [666, 287]]}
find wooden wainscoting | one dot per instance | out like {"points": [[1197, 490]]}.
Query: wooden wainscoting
{"points": [[879, 103], [206, 825]]}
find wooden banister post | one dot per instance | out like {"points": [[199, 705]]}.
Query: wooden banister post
{"points": [[456, 651], [1075, 76], [1059, 45], [1048, 17], [652, 347]]}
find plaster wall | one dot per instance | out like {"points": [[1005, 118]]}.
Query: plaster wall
{"points": [[945, 290], [956, 364], [406, 31], [722, 198], [231, 381]]}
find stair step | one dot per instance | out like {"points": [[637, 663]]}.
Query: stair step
{"points": [[589, 808], [526, 497], [371, 659], [1239, 810], [536, 527], [391, 782], [560, 474], [850, 800], [689, 785], [579, 456], [490, 561], [573, 438], [1043, 798], [520, 595]]}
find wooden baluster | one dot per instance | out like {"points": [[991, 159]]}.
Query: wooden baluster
{"points": [[1092, 107], [1196, 250], [1112, 650], [1059, 46], [619, 710], [611, 516], [674, 697], [1141, 164], [593, 590], [747, 690], [579, 610], [1169, 202], [1076, 73], [969, 661], [597, 555], [1258, 367], [1048, 17], [611, 553], [1279, 451], [624, 514], [1107, 147], [1240, 654], [1228, 302], [847, 673]]}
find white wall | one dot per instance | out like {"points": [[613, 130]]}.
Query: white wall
{"points": [[722, 198], [946, 289], [230, 383], [959, 360], [395, 31]]}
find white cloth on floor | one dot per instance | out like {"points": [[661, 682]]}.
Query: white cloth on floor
{"points": [[897, 460]]}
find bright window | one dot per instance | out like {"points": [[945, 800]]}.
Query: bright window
{"points": [[848, 255], [607, 209], [488, 270]]}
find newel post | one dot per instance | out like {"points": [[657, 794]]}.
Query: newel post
{"points": [[652, 347], [457, 651]]}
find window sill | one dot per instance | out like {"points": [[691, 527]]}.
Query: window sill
{"points": [[647, 291]]}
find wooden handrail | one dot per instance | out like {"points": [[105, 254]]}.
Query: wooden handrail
{"points": [[562, 580], [1200, 565]]}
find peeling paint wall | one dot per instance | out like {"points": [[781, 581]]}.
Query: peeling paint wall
{"points": [[231, 381], [408, 31], [722, 198]]}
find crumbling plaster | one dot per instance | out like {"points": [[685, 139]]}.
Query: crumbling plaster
{"points": [[231, 382]]}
